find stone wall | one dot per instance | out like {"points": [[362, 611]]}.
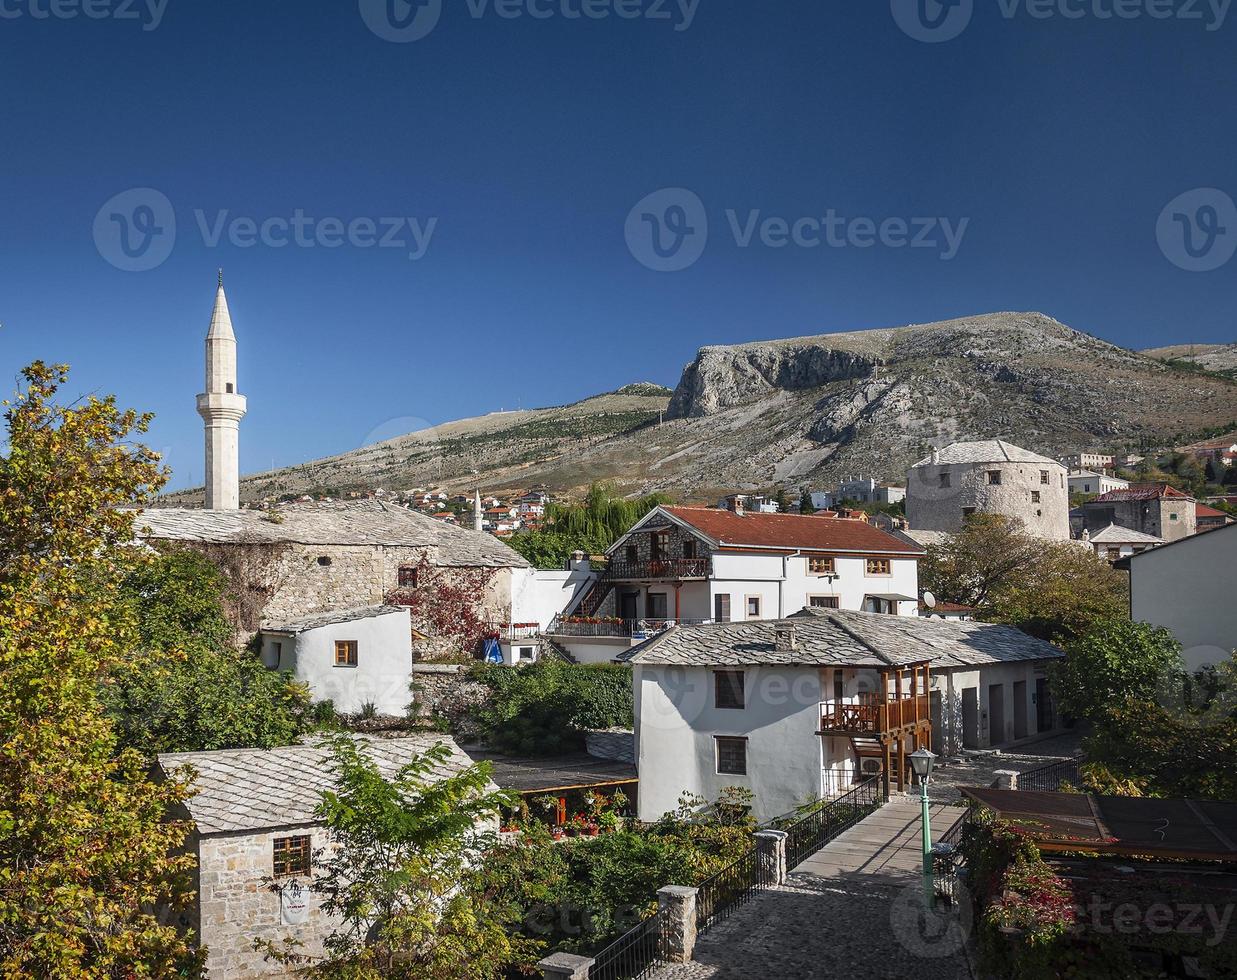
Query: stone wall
{"points": [[1148, 516], [932, 507], [236, 904], [445, 690]]}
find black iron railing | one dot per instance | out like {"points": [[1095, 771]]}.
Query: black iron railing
{"points": [[808, 832], [657, 569], [1050, 777], [635, 954], [732, 887]]}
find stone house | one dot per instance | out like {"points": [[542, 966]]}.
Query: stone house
{"points": [[258, 845], [1091, 482], [804, 707], [992, 477], [1115, 542], [1156, 509], [329, 556]]}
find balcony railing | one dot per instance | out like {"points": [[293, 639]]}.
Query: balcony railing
{"points": [[514, 631], [870, 717], [658, 569], [635, 628]]}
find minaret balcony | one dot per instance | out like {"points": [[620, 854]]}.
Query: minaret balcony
{"points": [[221, 406]]}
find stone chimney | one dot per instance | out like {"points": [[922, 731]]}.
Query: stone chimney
{"points": [[579, 562], [785, 639], [936, 456], [738, 503]]}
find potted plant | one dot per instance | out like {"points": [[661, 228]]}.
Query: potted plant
{"points": [[592, 829], [608, 822], [557, 832]]}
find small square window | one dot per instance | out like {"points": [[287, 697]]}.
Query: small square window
{"points": [[879, 566], [731, 756], [689, 548], [821, 566], [1043, 477], [1172, 517], [728, 689], [292, 856], [345, 653], [968, 511], [753, 607], [1035, 496], [994, 478], [823, 602], [944, 480], [407, 577]]}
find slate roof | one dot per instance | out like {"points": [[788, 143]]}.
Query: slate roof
{"points": [[922, 538], [559, 772], [791, 532], [988, 451], [243, 790], [344, 522], [843, 638], [318, 620], [1116, 534]]}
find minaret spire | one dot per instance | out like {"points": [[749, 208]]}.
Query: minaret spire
{"points": [[221, 409]]}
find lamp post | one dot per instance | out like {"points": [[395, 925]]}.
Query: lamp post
{"points": [[921, 762]]}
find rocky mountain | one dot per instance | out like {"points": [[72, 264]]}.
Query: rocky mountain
{"points": [[1220, 358], [803, 411]]}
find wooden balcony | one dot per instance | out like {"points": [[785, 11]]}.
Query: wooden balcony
{"points": [[658, 570], [871, 717]]}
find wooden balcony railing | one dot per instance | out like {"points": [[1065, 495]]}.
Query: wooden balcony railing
{"points": [[658, 569], [870, 717]]}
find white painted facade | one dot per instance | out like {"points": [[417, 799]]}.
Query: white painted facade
{"points": [[1091, 482], [538, 595], [383, 667], [1189, 587]]}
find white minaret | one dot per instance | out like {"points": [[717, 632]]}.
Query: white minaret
{"points": [[221, 409], [476, 509]]}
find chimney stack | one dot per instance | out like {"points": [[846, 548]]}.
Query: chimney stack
{"points": [[785, 640]]}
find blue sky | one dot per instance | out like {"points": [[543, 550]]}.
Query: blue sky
{"points": [[1033, 150]]}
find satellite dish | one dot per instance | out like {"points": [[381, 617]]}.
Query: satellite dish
{"points": [[929, 600]]}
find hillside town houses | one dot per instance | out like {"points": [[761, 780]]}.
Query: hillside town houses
{"points": [[794, 655]]}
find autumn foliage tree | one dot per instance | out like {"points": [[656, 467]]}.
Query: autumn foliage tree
{"points": [[86, 855]]}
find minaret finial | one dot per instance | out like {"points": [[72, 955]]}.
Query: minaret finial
{"points": [[221, 278]]}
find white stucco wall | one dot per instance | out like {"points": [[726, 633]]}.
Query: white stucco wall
{"points": [[537, 595], [1189, 587], [743, 575], [384, 662], [676, 722], [949, 740]]}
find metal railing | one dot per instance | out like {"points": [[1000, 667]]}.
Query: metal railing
{"points": [[807, 833], [1050, 777], [635, 954], [657, 569], [635, 628], [732, 887]]}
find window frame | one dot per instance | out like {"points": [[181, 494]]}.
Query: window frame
{"points": [[868, 564], [717, 607], [297, 854], [829, 561], [1035, 497], [945, 481], [993, 477], [731, 742], [747, 606], [408, 576], [350, 649], [830, 601], [735, 695], [1045, 478]]}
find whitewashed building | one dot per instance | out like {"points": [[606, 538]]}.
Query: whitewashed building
{"points": [[1188, 586], [259, 845], [1088, 481], [353, 657], [694, 565], [803, 707], [1116, 542]]}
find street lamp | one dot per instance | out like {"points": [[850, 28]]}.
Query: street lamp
{"points": [[921, 762]]}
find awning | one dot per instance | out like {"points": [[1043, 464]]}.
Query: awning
{"points": [[891, 597]]}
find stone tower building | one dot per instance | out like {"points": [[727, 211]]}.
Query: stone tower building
{"points": [[221, 409], [991, 477]]}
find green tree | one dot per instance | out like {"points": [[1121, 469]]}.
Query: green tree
{"points": [[86, 851], [183, 687], [591, 526], [1115, 662], [401, 851], [1054, 590], [805, 503]]}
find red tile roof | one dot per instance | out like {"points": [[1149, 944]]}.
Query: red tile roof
{"points": [[1202, 510], [791, 531], [1144, 491]]}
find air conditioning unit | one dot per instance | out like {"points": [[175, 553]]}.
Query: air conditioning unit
{"points": [[871, 766]]}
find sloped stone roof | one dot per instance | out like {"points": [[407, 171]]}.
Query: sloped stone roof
{"points": [[1116, 534], [316, 621], [988, 451], [255, 789], [350, 522], [843, 638]]}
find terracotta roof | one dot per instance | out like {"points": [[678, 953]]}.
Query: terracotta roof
{"points": [[1202, 510], [791, 532], [1143, 491]]}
